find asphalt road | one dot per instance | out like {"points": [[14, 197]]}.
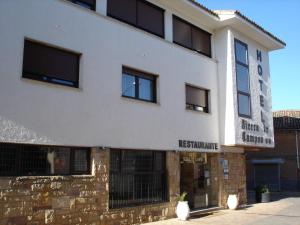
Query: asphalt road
{"points": [[283, 210]]}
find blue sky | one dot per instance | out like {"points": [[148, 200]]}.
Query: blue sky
{"points": [[281, 18]]}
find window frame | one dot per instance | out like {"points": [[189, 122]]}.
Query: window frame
{"points": [[191, 27], [237, 62], [46, 78], [136, 19], [206, 109], [20, 148], [163, 172], [92, 6], [143, 75]]}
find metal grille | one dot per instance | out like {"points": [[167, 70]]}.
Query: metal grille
{"points": [[80, 160], [32, 160], [137, 178], [8, 160]]}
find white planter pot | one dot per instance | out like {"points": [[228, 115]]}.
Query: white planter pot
{"points": [[232, 201], [183, 210]]}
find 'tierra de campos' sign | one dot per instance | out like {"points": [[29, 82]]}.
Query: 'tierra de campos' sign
{"points": [[254, 139], [197, 145]]}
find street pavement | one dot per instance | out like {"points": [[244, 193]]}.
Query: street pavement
{"points": [[283, 210]]}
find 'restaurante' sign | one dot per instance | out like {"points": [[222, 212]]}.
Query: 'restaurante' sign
{"points": [[197, 145]]}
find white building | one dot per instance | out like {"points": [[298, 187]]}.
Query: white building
{"points": [[68, 77]]}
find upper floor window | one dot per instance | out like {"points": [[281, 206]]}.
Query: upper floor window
{"points": [[196, 99], [190, 36], [138, 85], [89, 4], [242, 79], [49, 64], [34, 160], [139, 13]]}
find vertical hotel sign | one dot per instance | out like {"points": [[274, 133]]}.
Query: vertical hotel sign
{"points": [[262, 99], [253, 127]]}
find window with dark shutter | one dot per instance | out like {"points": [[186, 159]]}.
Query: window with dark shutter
{"points": [[201, 41], [89, 4], [182, 33], [49, 64], [150, 18], [139, 13], [190, 36], [124, 10], [196, 99]]}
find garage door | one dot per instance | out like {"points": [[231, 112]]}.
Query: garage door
{"points": [[267, 174]]}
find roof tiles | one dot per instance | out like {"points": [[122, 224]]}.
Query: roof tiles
{"points": [[287, 119]]}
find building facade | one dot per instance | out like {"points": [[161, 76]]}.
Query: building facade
{"points": [[278, 168], [110, 109]]}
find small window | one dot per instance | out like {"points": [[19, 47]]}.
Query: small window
{"points": [[49, 64], [138, 85], [196, 99], [244, 105], [139, 13], [242, 79], [36, 160], [241, 52], [89, 4], [190, 36]]}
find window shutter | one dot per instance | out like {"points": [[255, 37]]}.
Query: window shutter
{"points": [[124, 10], [43, 60], [195, 96], [150, 18], [182, 33], [201, 41]]}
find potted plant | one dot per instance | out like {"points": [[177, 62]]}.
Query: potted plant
{"points": [[232, 201], [262, 193], [183, 209]]}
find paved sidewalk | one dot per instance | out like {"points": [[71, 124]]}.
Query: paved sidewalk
{"points": [[284, 211]]}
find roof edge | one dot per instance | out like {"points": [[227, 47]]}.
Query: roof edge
{"points": [[260, 28], [204, 8], [247, 19]]}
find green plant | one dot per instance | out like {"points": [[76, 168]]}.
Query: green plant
{"points": [[260, 189], [183, 197]]}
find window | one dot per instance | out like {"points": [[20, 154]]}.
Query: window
{"points": [[196, 99], [34, 160], [242, 79], [48, 64], [138, 85], [190, 36], [137, 178], [89, 4], [139, 13]]}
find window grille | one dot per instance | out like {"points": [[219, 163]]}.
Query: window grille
{"points": [[137, 178]]}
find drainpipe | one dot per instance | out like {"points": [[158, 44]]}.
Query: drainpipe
{"points": [[297, 149], [298, 166]]}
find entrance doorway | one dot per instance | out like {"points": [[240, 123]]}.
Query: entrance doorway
{"points": [[195, 179]]}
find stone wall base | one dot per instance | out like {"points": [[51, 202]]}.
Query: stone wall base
{"points": [[62, 200]]}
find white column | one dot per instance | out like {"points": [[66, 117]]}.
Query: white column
{"points": [[168, 26], [101, 7]]}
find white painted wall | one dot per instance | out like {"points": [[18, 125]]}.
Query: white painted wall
{"points": [[230, 122], [96, 114]]}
